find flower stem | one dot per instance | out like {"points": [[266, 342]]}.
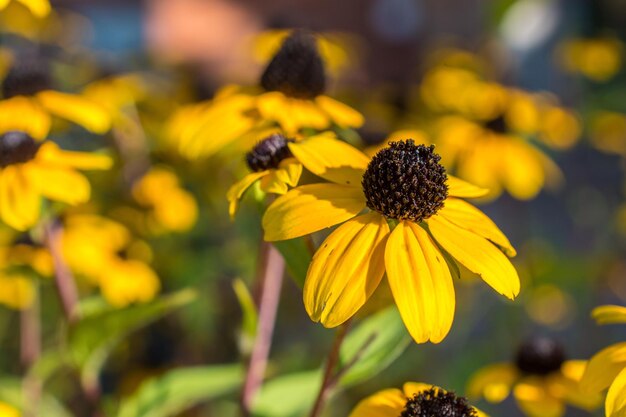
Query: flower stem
{"points": [[64, 280], [30, 350], [273, 271]]}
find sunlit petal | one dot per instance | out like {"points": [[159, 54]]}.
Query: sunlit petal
{"points": [[459, 188], [603, 367], [235, 192], [609, 314], [616, 397], [386, 403], [77, 109]]}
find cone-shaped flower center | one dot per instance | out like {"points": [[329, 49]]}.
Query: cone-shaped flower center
{"points": [[268, 153], [16, 148], [497, 125], [26, 77], [297, 69], [540, 356], [405, 181], [437, 403]]}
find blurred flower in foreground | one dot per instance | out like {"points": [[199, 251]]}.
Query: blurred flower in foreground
{"points": [[30, 102], [598, 59], [291, 96], [40, 8], [103, 251], [7, 410], [30, 170], [403, 185], [541, 379], [608, 132], [276, 162], [607, 368], [416, 399]]}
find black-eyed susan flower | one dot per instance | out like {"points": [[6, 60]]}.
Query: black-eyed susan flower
{"points": [[7, 410], [416, 399], [405, 188], [30, 170], [29, 102], [276, 163], [39, 8], [291, 97], [541, 380], [598, 59], [607, 368]]}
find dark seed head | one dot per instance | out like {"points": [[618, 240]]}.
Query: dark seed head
{"points": [[16, 148], [437, 403], [540, 356], [405, 181], [268, 153], [26, 77], [497, 125], [297, 69]]}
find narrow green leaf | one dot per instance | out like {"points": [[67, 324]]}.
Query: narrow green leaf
{"points": [[289, 395], [248, 308], [297, 256]]}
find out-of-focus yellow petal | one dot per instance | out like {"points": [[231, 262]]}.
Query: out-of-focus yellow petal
{"points": [[331, 159], [306, 114], [50, 154], [477, 254], [385, 403], [40, 8], [603, 367], [7, 410], [343, 115], [346, 270], [616, 397], [18, 292], [19, 200], [310, 208], [535, 401], [235, 192], [413, 388], [23, 113], [493, 383], [459, 188], [609, 314], [470, 218], [4, 4], [77, 109], [420, 282], [128, 281], [568, 383], [59, 184]]}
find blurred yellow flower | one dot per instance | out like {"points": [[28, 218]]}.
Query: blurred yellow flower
{"points": [[607, 368], [598, 59], [415, 399], [403, 185], [541, 380], [608, 132], [30, 170], [128, 281], [40, 8], [7, 410]]}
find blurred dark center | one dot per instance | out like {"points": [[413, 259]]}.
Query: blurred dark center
{"points": [[297, 69], [268, 153], [16, 148], [405, 181], [26, 77], [540, 356], [437, 403], [497, 125]]}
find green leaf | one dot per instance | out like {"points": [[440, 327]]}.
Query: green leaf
{"points": [[180, 389], [372, 346], [93, 338], [289, 395], [297, 255], [250, 317], [12, 392]]}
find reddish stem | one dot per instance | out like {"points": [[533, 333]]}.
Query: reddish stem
{"points": [[64, 280]]}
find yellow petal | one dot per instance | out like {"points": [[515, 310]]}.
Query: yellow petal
{"points": [[77, 109], [522, 169], [19, 200], [331, 159], [616, 397], [4, 4], [609, 314], [306, 114], [459, 188], [346, 270], [470, 218], [385, 403], [420, 282], [412, 388], [289, 171], [476, 254], [568, 382], [50, 154], [309, 208], [276, 107], [235, 192], [535, 401], [493, 383], [23, 113], [40, 8], [343, 115], [59, 184], [272, 184], [603, 367]]}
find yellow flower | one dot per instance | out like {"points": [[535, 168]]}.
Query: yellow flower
{"points": [[17, 290], [31, 170], [291, 97], [7, 410], [414, 400], [541, 379], [40, 8], [129, 281], [608, 132], [404, 185], [276, 163], [607, 368], [171, 208], [598, 59], [29, 103]]}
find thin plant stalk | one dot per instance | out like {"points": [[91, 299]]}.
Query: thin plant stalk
{"points": [[30, 351], [63, 278]]}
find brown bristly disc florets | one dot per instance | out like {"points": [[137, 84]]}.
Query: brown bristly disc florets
{"points": [[436, 402], [16, 147], [26, 77]]}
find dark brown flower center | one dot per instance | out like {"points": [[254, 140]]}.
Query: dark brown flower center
{"points": [[497, 124], [437, 403], [297, 69], [268, 153], [26, 77], [540, 356], [405, 181], [17, 147]]}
